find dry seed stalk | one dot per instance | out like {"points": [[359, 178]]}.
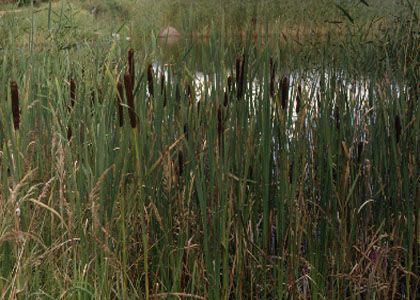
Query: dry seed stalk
{"points": [[128, 83], [15, 104]]}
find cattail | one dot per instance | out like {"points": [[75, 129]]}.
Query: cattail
{"points": [[229, 83], [238, 70], [250, 172], [291, 171], [150, 80], [284, 92], [120, 97], [186, 131], [337, 116], [130, 99], [69, 133], [92, 97], [397, 124], [359, 151], [220, 128], [242, 77], [162, 83], [188, 91], [72, 93], [180, 163], [131, 70], [226, 99], [298, 99], [163, 89], [272, 76], [177, 94], [165, 98], [240, 65], [228, 91], [15, 104]]}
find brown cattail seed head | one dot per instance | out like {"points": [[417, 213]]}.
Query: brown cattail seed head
{"points": [[130, 99], [359, 151], [229, 83], [186, 131], [131, 70], [15, 104], [284, 92], [272, 76], [220, 128], [180, 163], [397, 124], [162, 83], [219, 121], [242, 77], [298, 99], [238, 70], [163, 89], [120, 101], [150, 80], [72, 93], [337, 116], [69, 133], [188, 91]]}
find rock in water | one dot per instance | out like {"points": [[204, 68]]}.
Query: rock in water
{"points": [[169, 35]]}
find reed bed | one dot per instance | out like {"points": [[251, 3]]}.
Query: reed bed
{"points": [[256, 180]]}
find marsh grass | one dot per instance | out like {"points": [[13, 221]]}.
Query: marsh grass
{"points": [[258, 181]]}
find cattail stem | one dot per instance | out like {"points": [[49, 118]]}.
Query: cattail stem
{"points": [[120, 101], [15, 104], [128, 83]]}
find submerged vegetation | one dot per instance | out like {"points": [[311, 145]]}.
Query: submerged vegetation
{"points": [[264, 165]]}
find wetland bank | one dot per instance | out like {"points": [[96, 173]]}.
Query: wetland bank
{"points": [[281, 165]]}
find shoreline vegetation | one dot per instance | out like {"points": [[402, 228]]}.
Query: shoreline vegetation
{"points": [[270, 153]]}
